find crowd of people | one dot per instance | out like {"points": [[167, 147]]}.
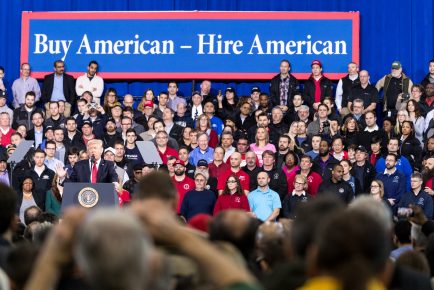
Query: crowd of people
{"points": [[265, 172]]}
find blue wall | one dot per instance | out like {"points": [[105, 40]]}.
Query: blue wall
{"points": [[390, 30]]}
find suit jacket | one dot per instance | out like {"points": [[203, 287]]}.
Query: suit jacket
{"points": [[106, 172], [68, 88]]}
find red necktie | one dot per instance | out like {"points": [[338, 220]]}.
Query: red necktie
{"points": [[94, 172]]}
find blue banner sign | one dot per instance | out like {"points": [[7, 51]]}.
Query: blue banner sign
{"points": [[186, 45]]}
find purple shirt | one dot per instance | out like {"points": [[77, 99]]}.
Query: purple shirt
{"points": [[21, 86], [4, 177]]}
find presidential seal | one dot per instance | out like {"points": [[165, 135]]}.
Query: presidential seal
{"points": [[88, 197]]}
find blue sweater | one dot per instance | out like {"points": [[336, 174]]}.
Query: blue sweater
{"points": [[423, 199], [394, 185], [402, 165], [196, 202]]}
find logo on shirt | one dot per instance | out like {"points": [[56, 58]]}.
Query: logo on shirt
{"points": [[242, 178], [421, 201], [310, 179], [396, 179], [45, 177], [237, 199], [341, 190], [186, 186], [276, 176]]}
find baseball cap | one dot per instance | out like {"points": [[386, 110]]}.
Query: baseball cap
{"points": [[148, 104], [49, 128], [10, 147], [195, 93], [202, 162], [317, 62], [230, 89], [179, 162], [361, 148], [396, 65], [117, 104], [110, 149], [255, 89], [2, 94], [87, 122], [111, 120]]}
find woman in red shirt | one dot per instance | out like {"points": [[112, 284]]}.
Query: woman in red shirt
{"points": [[233, 196]]}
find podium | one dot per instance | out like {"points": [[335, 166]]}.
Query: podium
{"points": [[89, 195]]}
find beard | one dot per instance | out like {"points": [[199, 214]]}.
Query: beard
{"points": [[179, 172], [427, 174], [323, 154]]}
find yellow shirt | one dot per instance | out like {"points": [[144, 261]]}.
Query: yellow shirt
{"points": [[330, 283]]}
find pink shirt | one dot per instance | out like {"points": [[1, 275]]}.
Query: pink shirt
{"points": [[259, 150]]}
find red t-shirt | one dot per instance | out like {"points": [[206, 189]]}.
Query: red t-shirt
{"points": [[187, 184], [216, 171], [231, 201], [169, 152], [244, 179], [5, 139], [314, 180], [124, 196], [317, 84]]}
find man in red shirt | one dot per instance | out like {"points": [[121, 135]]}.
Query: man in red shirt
{"points": [[165, 151], [236, 169], [317, 87], [314, 180], [182, 182], [428, 176], [217, 167]]}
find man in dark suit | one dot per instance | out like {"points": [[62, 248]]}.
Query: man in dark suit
{"points": [[59, 86], [94, 170]]}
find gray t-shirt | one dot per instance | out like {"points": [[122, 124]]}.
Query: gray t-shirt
{"points": [[25, 204]]}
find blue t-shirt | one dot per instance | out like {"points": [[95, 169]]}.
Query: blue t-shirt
{"points": [[263, 203]]}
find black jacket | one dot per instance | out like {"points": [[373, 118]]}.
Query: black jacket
{"points": [[82, 170], [291, 204], [176, 132], [277, 130], [249, 122], [22, 116], [411, 149], [68, 88], [309, 90], [41, 185], [294, 89], [278, 181], [368, 175], [342, 189], [326, 174]]}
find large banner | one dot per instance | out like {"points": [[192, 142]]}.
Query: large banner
{"points": [[190, 45]]}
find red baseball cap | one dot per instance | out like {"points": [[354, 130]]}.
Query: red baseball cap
{"points": [[317, 62], [148, 104], [179, 162]]}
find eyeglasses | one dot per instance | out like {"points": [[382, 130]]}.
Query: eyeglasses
{"points": [[232, 181]]}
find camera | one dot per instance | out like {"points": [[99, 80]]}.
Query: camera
{"points": [[405, 96], [326, 124], [405, 212], [92, 106]]}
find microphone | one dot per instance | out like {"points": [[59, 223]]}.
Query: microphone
{"points": [[92, 159]]}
